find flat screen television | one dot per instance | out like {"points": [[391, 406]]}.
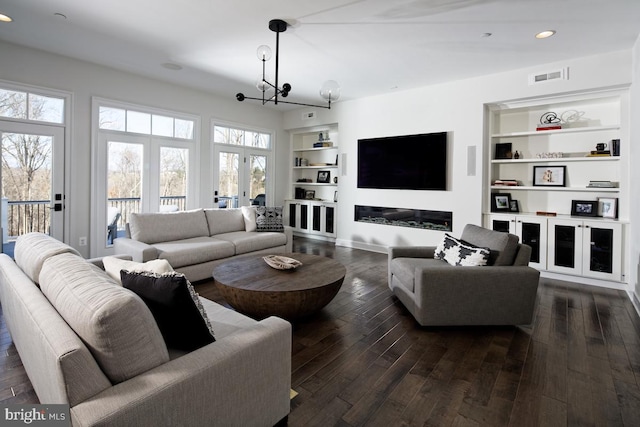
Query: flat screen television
{"points": [[409, 162]]}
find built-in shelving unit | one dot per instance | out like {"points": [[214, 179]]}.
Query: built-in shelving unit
{"points": [[587, 119], [311, 208]]}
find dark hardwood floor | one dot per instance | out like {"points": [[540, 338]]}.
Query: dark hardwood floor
{"points": [[363, 360]]}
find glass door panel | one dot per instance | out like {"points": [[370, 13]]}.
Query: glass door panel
{"points": [[565, 246], [228, 179], [601, 250], [173, 178], [257, 179], [32, 181], [531, 237], [329, 219], [124, 185]]}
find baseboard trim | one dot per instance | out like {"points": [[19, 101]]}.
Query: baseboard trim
{"points": [[362, 245]]}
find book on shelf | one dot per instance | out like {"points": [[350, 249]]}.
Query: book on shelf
{"points": [[505, 182], [602, 184], [322, 144], [599, 153], [549, 127]]}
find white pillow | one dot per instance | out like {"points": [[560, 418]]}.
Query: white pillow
{"points": [[249, 215], [113, 265], [460, 253]]}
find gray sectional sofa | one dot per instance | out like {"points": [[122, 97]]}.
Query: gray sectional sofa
{"points": [[88, 342], [194, 241]]}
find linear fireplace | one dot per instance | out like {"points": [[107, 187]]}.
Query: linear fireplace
{"points": [[400, 217]]}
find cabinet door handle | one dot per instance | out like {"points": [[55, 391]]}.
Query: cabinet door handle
{"points": [[586, 226]]}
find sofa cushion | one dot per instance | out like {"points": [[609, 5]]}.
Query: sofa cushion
{"points": [[114, 323], [33, 249], [269, 218], [224, 220], [224, 321], [249, 215], [113, 266], [164, 227], [197, 250], [460, 253], [503, 246], [405, 269], [175, 306], [246, 242]]}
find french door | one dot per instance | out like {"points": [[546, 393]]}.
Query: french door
{"points": [[32, 181], [241, 176]]}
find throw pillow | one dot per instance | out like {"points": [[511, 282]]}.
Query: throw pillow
{"points": [[176, 307], [113, 265], [249, 215], [269, 218], [459, 252]]}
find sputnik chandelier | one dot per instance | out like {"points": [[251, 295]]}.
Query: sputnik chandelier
{"points": [[330, 90]]}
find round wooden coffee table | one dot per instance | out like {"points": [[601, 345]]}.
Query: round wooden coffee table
{"points": [[250, 286]]}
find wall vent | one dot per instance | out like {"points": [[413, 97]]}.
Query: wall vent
{"points": [[559, 74]]}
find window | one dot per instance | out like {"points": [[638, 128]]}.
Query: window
{"points": [[31, 106], [146, 162]]}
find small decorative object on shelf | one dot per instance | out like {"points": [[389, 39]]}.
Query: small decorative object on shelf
{"points": [[549, 176], [335, 196], [309, 194], [601, 150], [545, 213], [584, 208], [549, 121], [514, 206], [615, 147], [556, 155], [516, 155]]}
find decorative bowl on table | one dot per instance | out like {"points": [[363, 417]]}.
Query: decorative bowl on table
{"points": [[280, 262]]}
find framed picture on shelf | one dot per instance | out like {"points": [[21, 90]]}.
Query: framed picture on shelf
{"points": [[324, 177], [500, 202], [309, 194], [608, 207], [514, 206], [584, 208], [549, 176]]}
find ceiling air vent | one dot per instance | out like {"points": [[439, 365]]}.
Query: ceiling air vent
{"points": [[560, 74]]}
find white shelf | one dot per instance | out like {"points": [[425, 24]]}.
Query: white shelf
{"points": [[558, 159], [551, 188], [555, 131], [315, 184], [297, 150], [316, 167]]}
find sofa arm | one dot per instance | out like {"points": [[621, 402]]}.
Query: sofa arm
{"points": [[243, 379], [476, 295], [411, 252], [288, 232], [139, 251]]}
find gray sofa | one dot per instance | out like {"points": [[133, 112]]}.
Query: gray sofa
{"points": [[194, 241], [439, 294], [86, 341]]}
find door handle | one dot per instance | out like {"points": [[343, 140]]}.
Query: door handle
{"points": [[57, 207]]}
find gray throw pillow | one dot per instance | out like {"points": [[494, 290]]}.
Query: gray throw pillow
{"points": [[269, 218]]}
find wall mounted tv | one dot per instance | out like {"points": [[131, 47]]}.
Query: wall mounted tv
{"points": [[409, 162]]}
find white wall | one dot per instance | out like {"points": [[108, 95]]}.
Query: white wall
{"points": [[634, 146], [456, 107], [84, 80]]}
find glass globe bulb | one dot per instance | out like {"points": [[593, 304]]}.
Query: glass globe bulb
{"points": [[330, 90], [264, 52], [262, 85]]}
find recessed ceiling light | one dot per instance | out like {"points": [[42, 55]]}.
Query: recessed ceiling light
{"points": [[487, 34], [5, 18], [545, 34], [172, 66]]}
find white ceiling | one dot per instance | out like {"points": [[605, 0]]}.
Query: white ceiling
{"points": [[369, 46]]}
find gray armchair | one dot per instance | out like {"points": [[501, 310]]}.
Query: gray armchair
{"points": [[439, 294]]}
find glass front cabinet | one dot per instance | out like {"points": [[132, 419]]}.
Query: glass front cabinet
{"points": [[310, 217], [586, 248], [532, 231]]}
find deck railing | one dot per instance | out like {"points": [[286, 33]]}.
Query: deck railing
{"points": [[28, 216]]}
